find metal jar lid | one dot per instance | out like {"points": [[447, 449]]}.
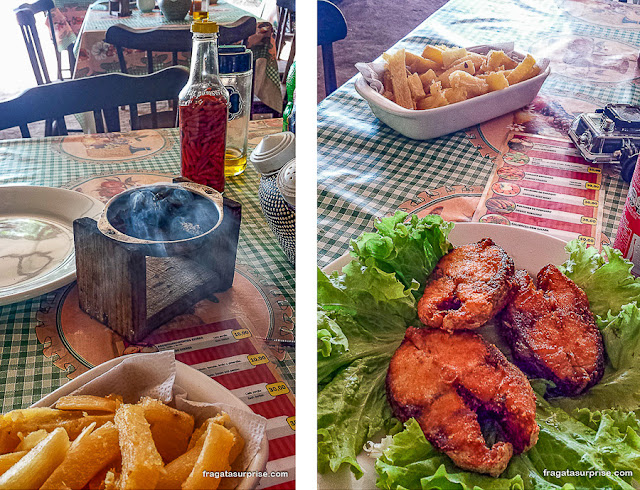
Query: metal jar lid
{"points": [[287, 182], [273, 152], [234, 59]]}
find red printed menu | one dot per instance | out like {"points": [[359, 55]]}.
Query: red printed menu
{"points": [[542, 183], [227, 352]]}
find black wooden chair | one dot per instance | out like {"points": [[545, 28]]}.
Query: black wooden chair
{"points": [[27, 23], [238, 31], [25, 15], [286, 22], [101, 94], [174, 41], [286, 25], [332, 27], [171, 41]]}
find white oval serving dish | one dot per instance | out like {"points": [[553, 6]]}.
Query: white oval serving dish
{"points": [[432, 123]]}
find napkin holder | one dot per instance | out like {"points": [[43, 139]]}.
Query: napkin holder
{"points": [[132, 290]]}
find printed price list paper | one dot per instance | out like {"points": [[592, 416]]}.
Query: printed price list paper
{"points": [[228, 352], [542, 183]]}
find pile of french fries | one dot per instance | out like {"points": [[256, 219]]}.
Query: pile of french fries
{"points": [[91, 442], [443, 75]]}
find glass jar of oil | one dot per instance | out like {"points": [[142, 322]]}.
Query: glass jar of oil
{"points": [[236, 73], [199, 9]]}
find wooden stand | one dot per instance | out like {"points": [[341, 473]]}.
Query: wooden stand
{"points": [[133, 294], [120, 8]]}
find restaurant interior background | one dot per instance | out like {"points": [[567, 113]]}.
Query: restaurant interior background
{"points": [[227, 298], [16, 61], [373, 26]]}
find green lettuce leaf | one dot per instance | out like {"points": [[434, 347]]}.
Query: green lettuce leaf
{"points": [[364, 312], [371, 309], [614, 296], [566, 442], [621, 335], [411, 462], [352, 408], [368, 294], [605, 441], [620, 385], [409, 250], [605, 278], [331, 339]]}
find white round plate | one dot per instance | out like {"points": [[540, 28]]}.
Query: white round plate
{"points": [[199, 387], [530, 250], [36, 239]]}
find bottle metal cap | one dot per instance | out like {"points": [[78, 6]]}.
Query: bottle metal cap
{"points": [[234, 59], [204, 26]]}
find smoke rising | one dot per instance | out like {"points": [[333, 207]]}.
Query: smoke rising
{"points": [[162, 213]]}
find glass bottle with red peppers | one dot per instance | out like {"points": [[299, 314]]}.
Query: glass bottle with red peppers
{"points": [[203, 111]]}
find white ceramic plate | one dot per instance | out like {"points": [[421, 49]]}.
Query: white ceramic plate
{"points": [[199, 387], [432, 123], [36, 239], [530, 250]]}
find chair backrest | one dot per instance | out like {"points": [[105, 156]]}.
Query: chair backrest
{"points": [[159, 40], [101, 94], [30, 34], [171, 40], [286, 14], [237, 31], [27, 23], [332, 27], [287, 4], [39, 6]]}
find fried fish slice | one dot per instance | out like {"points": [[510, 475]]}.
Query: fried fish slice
{"points": [[552, 332], [468, 287], [450, 380]]}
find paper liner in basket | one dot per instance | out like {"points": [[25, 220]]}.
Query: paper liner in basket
{"points": [[372, 72], [153, 375]]}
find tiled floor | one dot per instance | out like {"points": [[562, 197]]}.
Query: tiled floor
{"points": [[373, 26]]}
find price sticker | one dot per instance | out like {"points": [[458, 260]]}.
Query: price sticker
{"points": [[590, 202], [592, 186], [292, 422], [594, 170], [587, 239], [585, 220], [276, 389], [256, 359], [241, 333]]}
